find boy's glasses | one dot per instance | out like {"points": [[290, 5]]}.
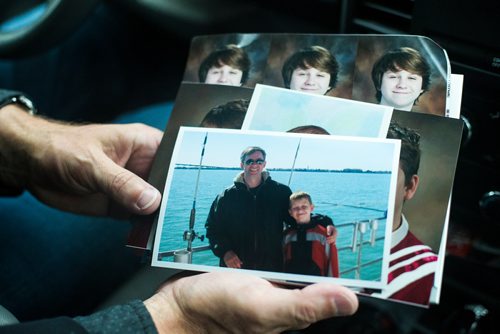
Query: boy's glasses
{"points": [[251, 162]]}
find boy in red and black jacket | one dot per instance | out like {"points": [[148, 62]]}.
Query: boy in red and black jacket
{"points": [[309, 245]]}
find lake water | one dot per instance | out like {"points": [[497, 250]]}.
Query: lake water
{"points": [[345, 197]]}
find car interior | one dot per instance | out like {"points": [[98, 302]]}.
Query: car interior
{"points": [[99, 61]]}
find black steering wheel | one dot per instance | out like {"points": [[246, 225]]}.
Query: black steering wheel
{"points": [[31, 26]]}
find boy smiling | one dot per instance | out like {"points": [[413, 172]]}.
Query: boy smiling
{"points": [[309, 245]]}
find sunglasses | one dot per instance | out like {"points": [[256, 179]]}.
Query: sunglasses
{"points": [[251, 162]]}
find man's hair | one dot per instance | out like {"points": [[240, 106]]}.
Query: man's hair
{"points": [[251, 150], [312, 129], [409, 158], [229, 115], [300, 195], [403, 58], [230, 55], [312, 56]]}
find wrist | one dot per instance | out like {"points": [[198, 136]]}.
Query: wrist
{"points": [[164, 314], [16, 130]]}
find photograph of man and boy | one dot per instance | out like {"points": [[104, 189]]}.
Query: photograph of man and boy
{"points": [[259, 222]]}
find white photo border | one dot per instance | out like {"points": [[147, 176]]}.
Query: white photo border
{"points": [[275, 276]]}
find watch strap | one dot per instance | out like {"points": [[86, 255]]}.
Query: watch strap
{"points": [[14, 97]]}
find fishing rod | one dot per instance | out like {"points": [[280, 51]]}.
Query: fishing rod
{"points": [[294, 160], [190, 234]]}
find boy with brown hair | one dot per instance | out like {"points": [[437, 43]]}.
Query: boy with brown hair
{"points": [[309, 244]]}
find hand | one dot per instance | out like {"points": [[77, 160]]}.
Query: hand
{"points": [[331, 233], [232, 260], [90, 169], [231, 302]]}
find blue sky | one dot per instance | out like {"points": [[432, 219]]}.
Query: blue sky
{"points": [[280, 109], [224, 147]]}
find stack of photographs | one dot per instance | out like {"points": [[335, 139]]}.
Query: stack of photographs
{"points": [[310, 158]]}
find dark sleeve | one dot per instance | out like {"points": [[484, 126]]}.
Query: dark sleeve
{"points": [[324, 220], [132, 317], [287, 219], [61, 325], [215, 234]]}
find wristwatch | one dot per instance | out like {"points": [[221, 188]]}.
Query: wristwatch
{"points": [[12, 97]]}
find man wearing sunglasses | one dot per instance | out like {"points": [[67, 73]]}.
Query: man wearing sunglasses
{"points": [[245, 223]]}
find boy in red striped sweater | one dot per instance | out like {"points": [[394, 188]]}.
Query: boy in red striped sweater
{"points": [[412, 264]]}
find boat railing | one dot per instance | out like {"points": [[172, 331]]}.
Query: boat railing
{"points": [[364, 234], [358, 243]]}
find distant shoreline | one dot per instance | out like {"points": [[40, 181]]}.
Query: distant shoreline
{"points": [[311, 170]]}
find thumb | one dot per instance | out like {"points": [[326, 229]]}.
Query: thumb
{"points": [[127, 189], [332, 300], [318, 302]]}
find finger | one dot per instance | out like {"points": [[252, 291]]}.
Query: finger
{"points": [[238, 261], [93, 204], [127, 189], [345, 300], [234, 264], [146, 143], [313, 303]]}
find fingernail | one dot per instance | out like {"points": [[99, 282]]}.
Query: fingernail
{"points": [[147, 198], [346, 303]]}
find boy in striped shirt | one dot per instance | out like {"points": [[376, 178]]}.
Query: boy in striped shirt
{"points": [[412, 265]]}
